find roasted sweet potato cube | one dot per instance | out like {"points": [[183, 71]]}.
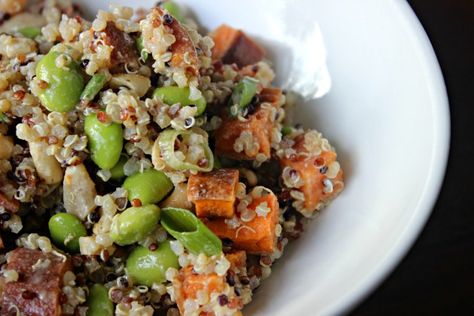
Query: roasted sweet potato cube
{"points": [[124, 50], [188, 284], [272, 96], [237, 259], [213, 193], [244, 140], [37, 292], [313, 171], [255, 236], [234, 46]]}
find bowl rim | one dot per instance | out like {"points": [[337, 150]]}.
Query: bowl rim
{"points": [[438, 164]]}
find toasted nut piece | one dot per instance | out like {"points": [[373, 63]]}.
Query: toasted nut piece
{"points": [[78, 191], [136, 83], [48, 167]]}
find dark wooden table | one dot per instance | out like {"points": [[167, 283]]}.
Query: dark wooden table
{"points": [[437, 276]]}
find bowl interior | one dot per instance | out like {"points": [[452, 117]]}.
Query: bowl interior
{"points": [[387, 116]]}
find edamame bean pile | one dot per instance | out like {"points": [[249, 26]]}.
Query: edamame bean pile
{"points": [[145, 169]]}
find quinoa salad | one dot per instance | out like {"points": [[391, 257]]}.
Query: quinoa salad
{"points": [[145, 168]]}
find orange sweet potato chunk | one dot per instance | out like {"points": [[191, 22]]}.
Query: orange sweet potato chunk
{"points": [[237, 259], [234, 46], [255, 236], [308, 168], [213, 193], [258, 124]]}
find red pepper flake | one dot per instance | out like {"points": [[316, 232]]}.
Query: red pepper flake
{"points": [[123, 115], [318, 162], [136, 203], [102, 117], [19, 95]]}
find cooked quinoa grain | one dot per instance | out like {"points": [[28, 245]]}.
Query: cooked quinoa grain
{"points": [[195, 120]]}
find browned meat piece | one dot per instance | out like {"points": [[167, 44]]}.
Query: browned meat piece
{"points": [[183, 49], [11, 205], [213, 193], [124, 46], [234, 46], [37, 291]]}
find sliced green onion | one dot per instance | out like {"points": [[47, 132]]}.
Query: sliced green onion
{"points": [[190, 231], [242, 95], [172, 95], [141, 49], [30, 31], [93, 87], [174, 10], [286, 130], [166, 146], [3, 118]]}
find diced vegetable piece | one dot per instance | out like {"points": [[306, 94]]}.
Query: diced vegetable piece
{"points": [[313, 170], [255, 236], [40, 273], [234, 46], [213, 193], [195, 139], [237, 259], [188, 284], [190, 231], [148, 267], [149, 186], [30, 31], [93, 87], [244, 140], [271, 95], [172, 95], [134, 224], [242, 95], [98, 301]]}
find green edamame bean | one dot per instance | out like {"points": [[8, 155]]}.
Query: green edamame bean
{"points": [[65, 84], [117, 172], [65, 230], [147, 267], [172, 95], [134, 224], [30, 31], [98, 301], [93, 87], [173, 9], [150, 186], [105, 141]]}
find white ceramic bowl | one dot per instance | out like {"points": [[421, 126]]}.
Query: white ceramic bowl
{"points": [[387, 115]]}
